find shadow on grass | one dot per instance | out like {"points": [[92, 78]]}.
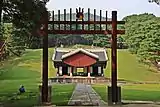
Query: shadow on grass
{"points": [[28, 99]]}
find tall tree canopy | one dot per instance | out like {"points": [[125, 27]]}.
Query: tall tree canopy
{"points": [[143, 36], [25, 16]]}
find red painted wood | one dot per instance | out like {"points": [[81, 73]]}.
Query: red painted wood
{"points": [[84, 22], [114, 57], [45, 60], [84, 31], [80, 60]]}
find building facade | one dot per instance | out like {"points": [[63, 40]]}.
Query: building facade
{"points": [[80, 62]]}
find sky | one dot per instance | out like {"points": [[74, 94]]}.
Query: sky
{"points": [[123, 7]]}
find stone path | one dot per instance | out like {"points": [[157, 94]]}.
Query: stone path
{"points": [[84, 95]]}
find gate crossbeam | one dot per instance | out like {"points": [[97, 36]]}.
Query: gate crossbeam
{"points": [[84, 22], [84, 31]]}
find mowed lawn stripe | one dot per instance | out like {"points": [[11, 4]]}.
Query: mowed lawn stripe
{"points": [[138, 92], [130, 69], [26, 70]]}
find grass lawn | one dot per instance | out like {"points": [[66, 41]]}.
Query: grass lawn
{"points": [[26, 70], [142, 92], [8, 97], [130, 69], [62, 93]]}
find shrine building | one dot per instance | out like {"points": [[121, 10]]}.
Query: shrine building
{"points": [[80, 62]]}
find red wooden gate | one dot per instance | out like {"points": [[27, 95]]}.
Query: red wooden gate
{"points": [[49, 28]]}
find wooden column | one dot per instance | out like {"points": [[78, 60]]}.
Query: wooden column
{"points": [[99, 70], [60, 71], [70, 70], [45, 60], [102, 74], [89, 71], [85, 70], [114, 56], [57, 71]]}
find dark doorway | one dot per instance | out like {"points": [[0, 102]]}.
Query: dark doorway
{"points": [[64, 70], [95, 71]]}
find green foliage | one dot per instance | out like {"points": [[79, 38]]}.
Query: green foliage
{"points": [[150, 46], [97, 39], [25, 16], [142, 37], [8, 28], [136, 28]]}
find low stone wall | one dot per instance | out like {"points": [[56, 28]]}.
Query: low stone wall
{"points": [[91, 80]]}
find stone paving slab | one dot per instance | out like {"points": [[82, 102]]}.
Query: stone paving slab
{"points": [[84, 95]]}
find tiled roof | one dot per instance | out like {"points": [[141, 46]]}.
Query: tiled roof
{"points": [[101, 53], [80, 50]]}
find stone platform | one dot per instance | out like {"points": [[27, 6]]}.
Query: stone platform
{"points": [[78, 79]]}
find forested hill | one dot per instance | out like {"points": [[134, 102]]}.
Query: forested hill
{"points": [[143, 37]]}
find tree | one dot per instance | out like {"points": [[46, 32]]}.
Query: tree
{"points": [[143, 36], [25, 16], [149, 51], [156, 1], [97, 39], [136, 28]]}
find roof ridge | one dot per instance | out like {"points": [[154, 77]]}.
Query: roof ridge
{"points": [[79, 50], [87, 49]]}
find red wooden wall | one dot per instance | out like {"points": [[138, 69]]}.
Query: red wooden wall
{"points": [[80, 60]]}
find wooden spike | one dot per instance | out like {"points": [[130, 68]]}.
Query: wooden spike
{"points": [[53, 19], [82, 19], [70, 18], [59, 27], [88, 18], [82, 24], [64, 18], [83, 10], [76, 10], [106, 19], [94, 19], [100, 19], [79, 9]]}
